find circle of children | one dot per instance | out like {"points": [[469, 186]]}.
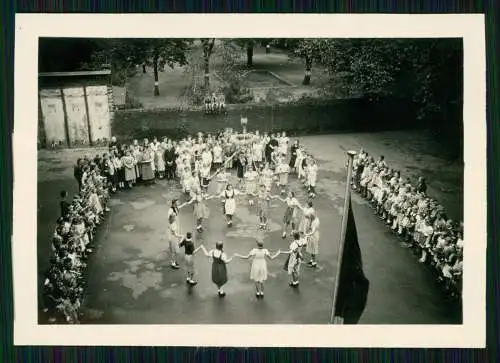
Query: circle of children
{"points": [[417, 219], [261, 161]]}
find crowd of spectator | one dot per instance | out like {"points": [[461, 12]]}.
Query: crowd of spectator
{"points": [[71, 243], [416, 218]]}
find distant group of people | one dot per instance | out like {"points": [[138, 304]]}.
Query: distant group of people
{"points": [[71, 244], [419, 220], [215, 103]]}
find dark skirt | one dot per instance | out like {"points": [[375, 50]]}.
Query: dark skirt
{"points": [[292, 161], [240, 172], [121, 175], [219, 272]]}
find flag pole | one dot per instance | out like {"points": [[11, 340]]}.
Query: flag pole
{"points": [[343, 230]]}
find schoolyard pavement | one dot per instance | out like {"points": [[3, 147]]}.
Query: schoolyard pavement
{"points": [[130, 281]]}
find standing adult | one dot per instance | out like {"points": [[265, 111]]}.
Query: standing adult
{"points": [[78, 172], [170, 157], [241, 164], [174, 234], [219, 266], [147, 163], [129, 167], [271, 146], [293, 158], [258, 269]]}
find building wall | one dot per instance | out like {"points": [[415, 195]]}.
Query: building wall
{"points": [[74, 115]]}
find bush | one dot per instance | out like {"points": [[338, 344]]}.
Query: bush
{"points": [[235, 92]]}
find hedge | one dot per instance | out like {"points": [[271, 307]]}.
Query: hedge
{"points": [[352, 115]]}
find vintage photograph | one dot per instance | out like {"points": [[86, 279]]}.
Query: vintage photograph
{"points": [[250, 180]]}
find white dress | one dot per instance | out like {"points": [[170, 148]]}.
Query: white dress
{"points": [[258, 270], [306, 222], [312, 175], [217, 154], [313, 240], [173, 231], [229, 202]]}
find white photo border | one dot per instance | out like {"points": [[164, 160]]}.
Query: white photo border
{"points": [[29, 27]]}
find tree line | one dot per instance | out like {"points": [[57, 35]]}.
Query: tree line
{"points": [[426, 71]]}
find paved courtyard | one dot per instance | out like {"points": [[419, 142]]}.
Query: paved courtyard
{"points": [[130, 281]]}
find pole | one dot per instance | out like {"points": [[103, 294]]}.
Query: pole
{"points": [[342, 232]]}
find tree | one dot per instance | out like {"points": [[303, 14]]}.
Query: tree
{"points": [[248, 44], [208, 47], [426, 72], [124, 55], [306, 49]]}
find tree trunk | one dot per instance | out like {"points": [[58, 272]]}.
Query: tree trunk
{"points": [[207, 51], [206, 76], [155, 70], [144, 68], [307, 75], [250, 55]]}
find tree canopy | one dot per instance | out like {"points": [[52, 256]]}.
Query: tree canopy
{"points": [[124, 55]]}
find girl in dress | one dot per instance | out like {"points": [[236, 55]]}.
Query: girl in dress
{"points": [[282, 169], [174, 233], [301, 156], [312, 236], [263, 201], [283, 143], [306, 217], [185, 179], [200, 209], [293, 158], [267, 177], [311, 177], [229, 203], [219, 268], [251, 177], [291, 213], [147, 165], [295, 258], [137, 154], [152, 151], [258, 269], [160, 161], [129, 166], [205, 176], [257, 152], [217, 155]]}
